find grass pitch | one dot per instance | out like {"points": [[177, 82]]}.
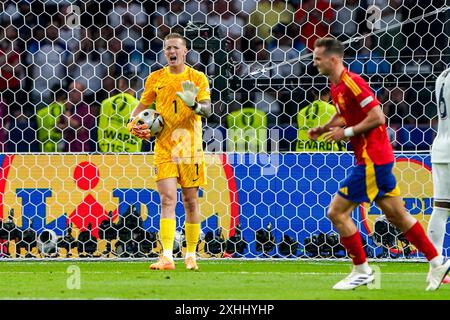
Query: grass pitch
{"points": [[217, 279]]}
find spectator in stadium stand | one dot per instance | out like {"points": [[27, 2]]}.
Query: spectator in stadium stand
{"points": [[267, 101], [49, 64], [396, 108], [391, 41], [266, 15], [89, 69], [113, 135], [172, 17], [261, 58], [26, 20], [224, 13], [69, 34], [115, 57], [273, 102], [426, 36], [231, 23], [78, 121], [22, 132], [12, 70], [350, 15], [264, 100], [368, 60], [314, 18], [282, 49], [108, 82], [4, 124], [128, 19], [13, 12]]}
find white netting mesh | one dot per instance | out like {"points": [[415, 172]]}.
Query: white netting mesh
{"points": [[60, 60]]}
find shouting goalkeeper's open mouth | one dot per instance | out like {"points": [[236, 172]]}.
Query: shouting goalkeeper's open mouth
{"points": [[172, 60], [175, 55]]}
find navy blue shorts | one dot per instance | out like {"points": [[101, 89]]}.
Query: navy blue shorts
{"points": [[369, 182]]}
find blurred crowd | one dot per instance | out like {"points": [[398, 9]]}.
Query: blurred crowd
{"points": [[72, 52]]}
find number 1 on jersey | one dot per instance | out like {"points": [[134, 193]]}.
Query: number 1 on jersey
{"points": [[175, 106]]}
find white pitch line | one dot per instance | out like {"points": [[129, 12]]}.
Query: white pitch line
{"points": [[213, 272], [310, 273]]}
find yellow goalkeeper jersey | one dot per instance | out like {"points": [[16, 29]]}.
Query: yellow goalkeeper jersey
{"points": [[182, 133]]}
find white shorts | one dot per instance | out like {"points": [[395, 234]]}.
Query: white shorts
{"points": [[441, 181]]}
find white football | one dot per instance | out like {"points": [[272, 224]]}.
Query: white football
{"points": [[153, 119], [47, 242]]}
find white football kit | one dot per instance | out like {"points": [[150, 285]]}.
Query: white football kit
{"points": [[440, 159], [440, 151]]}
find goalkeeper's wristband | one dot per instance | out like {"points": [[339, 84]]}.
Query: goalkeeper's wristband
{"points": [[196, 107]]}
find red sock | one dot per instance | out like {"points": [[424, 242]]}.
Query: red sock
{"points": [[416, 235], [354, 247]]}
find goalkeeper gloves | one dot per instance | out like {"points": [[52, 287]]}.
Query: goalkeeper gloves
{"points": [[189, 94], [131, 124], [140, 131]]}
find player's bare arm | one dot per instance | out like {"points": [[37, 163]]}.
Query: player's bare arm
{"points": [[375, 118], [335, 121]]}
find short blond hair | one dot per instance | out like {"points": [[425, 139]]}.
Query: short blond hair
{"points": [[175, 35]]}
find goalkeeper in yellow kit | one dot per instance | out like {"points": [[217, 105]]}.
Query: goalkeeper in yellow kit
{"points": [[182, 96]]}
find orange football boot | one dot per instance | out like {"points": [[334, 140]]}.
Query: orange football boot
{"points": [[163, 263], [191, 264]]}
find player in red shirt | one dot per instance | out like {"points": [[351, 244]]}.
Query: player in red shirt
{"points": [[360, 118]]}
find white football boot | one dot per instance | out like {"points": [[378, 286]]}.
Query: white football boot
{"points": [[436, 276], [355, 279]]}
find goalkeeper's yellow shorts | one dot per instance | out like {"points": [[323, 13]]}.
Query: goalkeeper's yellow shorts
{"points": [[189, 174]]}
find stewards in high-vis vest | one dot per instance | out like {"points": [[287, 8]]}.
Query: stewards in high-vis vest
{"points": [[247, 131], [316, 114], [48, 133], [67, 124], [113, 135]]}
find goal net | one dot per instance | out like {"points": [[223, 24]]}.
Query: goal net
{"points": [[74, 183]]}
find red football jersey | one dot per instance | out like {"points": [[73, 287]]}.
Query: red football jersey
{"points": [[353, 98]]}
